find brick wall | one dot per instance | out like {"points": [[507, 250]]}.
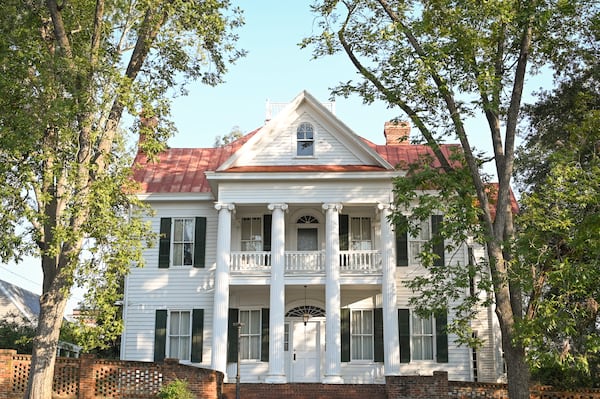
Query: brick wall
{"points": [[91, 378], [305, 391]]}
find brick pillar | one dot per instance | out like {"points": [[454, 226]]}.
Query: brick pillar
{"points": [[6, 357], [87, 383]]}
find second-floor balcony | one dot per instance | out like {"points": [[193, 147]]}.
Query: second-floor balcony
{"points": [[305, 262]]}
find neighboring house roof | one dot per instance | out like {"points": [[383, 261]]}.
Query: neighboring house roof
{"points": [[16, 300]]}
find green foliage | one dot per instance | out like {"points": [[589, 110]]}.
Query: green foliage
{"points": [[559, 240], [230, 137], [16, 333], [176, 389], [70, 73]]}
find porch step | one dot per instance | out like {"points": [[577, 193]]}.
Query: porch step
{"points": [[306, 391]]}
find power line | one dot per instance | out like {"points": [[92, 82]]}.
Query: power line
{"points": [[37, 283]]}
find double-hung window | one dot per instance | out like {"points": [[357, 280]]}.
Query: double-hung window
{"points": [[183, 242], [250, 334], [417, 243], [360, 234], [422, 337], [180, 332], [252, 239], [361, 330], [305, 140]]}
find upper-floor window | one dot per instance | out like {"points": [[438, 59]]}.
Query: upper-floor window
{"points": [[360, 233], [183, 241], [305, 140], [252, 239], [361, 330]]}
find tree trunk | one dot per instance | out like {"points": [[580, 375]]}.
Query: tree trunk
{"points": [[517, 369], [52, 309]]}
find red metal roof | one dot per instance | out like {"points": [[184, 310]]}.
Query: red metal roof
{"points": [[181, 170]]}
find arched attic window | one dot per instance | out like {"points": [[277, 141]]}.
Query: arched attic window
{"points": [[305, 140]]}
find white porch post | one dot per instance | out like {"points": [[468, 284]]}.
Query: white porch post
{"points": [[332, 296], [218, 359], [391, 348], [277, 302]]}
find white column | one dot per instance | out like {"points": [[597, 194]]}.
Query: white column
{"points": [[221, 304], [277, 302], [391, 346], [332, 296]]}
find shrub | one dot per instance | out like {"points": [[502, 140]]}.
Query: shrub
{"points": [[176, 389]]}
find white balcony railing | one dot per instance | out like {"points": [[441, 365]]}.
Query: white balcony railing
{"points": [[306, 262], [360, 262]]}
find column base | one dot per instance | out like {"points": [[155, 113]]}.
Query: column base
{"points": [[276, 379], [333, 379]]}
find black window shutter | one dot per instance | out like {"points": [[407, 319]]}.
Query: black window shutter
{"points": [[441, 337], [438, 245], [264, 335], [160, 335], [378, 335], [164, 243], [200, 242], [401, 245], [197, 334], [267, 232], [343, 226], [232, 349], [404, 334], [345, 332]]}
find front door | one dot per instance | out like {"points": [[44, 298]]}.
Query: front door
{"points": [[306, 360], [307, 240]]}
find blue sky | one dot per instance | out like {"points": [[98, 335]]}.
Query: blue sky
{"points": [[275, 69]]}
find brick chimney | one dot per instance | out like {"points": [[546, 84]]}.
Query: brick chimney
{"points": [[147, 125], [396, 133]]}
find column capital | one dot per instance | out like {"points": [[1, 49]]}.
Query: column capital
{"points": [[224, 206], [333, 205], [274, 206], [381, 206]]}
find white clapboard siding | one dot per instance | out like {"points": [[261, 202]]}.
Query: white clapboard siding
{"points": [[307, 192]]}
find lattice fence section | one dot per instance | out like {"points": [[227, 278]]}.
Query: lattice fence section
{"points": [[140, 383], [21, 365], [113, 381], [66, 378]]}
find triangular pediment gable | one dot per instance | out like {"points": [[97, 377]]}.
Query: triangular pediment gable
{"points": [[333, 143]]}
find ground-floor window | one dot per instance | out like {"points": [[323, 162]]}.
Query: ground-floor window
{"points": [[180, 332], [422, 337], [250, 334], [361, 332]]}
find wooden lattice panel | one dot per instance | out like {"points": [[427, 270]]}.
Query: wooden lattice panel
{"points": [[66, 380], [137, 383], [20, 371]]}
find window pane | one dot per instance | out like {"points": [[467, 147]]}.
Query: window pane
{"points": [[367, 322], [366, 229], [355, 228], [368, 347], [174, 347], [424, 234], [174, 325], [254, 347], [184, 344], [188, 231], [418, 348], [177, 254], [244, 348], [356, 323], [356, 348], [255, 322], [427, 326], [305, 148], [246, 228], [428, 348], [244, 319], [188, 253], [185, 323], [178, 230]]}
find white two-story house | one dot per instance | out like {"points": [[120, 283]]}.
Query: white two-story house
{"points": [[286, 231]]}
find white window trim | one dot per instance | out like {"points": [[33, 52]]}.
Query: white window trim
{"points": [[413, 335], [372, 335], [168, 343], [174, 242], [314, 141], [250, 309]]}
